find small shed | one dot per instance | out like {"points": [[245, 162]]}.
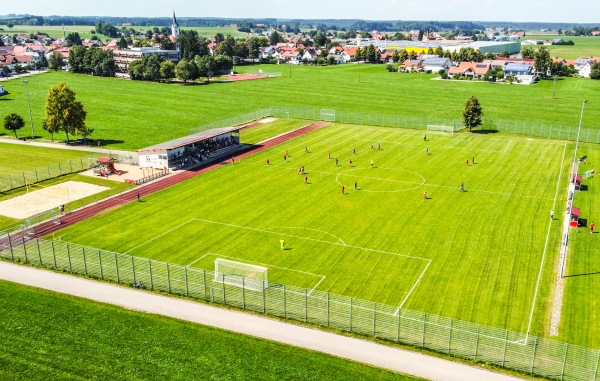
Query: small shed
{"points": [[575, 213]]}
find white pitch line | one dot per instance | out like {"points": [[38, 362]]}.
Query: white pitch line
{"points": [[507, 146], [158, 236], [413, 287], [312, 239], [537, 286], [316, 230], [312, 289]]}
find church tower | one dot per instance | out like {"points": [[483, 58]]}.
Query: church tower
{"points": [[175, 29]]}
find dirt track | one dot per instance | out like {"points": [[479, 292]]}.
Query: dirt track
{"points": [[363, 351]]}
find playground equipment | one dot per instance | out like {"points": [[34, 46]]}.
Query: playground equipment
{"points": [[588, 174], [105, 166]]}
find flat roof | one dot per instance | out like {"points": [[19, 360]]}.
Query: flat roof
{"points": [[190, 139]]}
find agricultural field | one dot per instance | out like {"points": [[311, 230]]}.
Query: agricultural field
{"points": [[97, 341], [184, 108], [585, 46], [473, 255], [54, 31]]}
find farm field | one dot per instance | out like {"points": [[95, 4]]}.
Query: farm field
{"points": [[183, 108], [585, 46], [97, 341], [55, 31], [473, 255]]}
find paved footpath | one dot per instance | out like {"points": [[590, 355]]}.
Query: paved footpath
{"points": [[431, 368], [62, 145]]}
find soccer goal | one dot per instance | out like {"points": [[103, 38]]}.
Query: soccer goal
{"points": [[432, 128], [241, 274], [327, 115], [32, 225]]}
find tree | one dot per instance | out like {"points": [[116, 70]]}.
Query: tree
{"points": [[189, 44], [226, 47], [13, 122], [472, 114], [46, 128], [55, 62], [595, 73], [207, 66], [167, 70], [122, 43], [275, 38], [527, 52], [542, 61], [395, 56], [64, 113], [76, 59], [186, 70], [73, 39], [152, 67]]}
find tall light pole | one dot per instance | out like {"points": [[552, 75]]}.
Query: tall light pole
{"points": [[29, 105], [575, 162]]}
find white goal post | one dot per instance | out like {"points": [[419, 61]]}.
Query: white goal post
{"points": [[327, 115], [240, 274], [432, 128]]}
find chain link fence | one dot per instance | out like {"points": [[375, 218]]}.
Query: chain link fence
{"points": [[544, 130], [507, 349]]}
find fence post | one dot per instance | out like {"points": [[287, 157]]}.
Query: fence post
{"points": [[285, 303], [133, 270], [374, 318], [350, 314], [151, 278], [476, 342], [59, 169], [37, 242], [84, 261], [204, 279], [505, 344], [48, 171], [12, 255], [36, 176], [24, 247], [562, 373], [168, 279], [596, 370], [223, 285], [71, 165], [81, 162], [423, 337], [305, 306], [10, 181], [327, 309], [398, 328], [534, 352], [53, 254], [187, 289], [100, 263], [264, 304], [117, 268], [69, 258], [243, 293], [24, 180], [450, 336]]}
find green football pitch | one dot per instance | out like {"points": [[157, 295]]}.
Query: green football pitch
{"points": [[475, 255]]}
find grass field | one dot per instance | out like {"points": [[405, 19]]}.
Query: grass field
{"points": [[66, 338], [182, 108], [474, 256], [17, 158], [585, 46], [54, 31]]}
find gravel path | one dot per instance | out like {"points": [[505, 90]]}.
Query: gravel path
{"points": [[363, 351]]}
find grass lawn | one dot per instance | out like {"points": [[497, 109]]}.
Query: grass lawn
{"points": [[265, 131], [133, 114], [582, 298], [473, 256], [17, 158], [67, 338], [585, 46]]}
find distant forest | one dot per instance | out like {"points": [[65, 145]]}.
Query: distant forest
{"points": [[295, 24]]}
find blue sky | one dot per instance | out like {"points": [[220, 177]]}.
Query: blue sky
{"points": [[582, 11]]}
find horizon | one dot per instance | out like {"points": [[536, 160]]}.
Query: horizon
{"points": [[536, 11]]}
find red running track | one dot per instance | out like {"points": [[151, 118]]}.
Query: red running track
{"points": [[144, 190]]}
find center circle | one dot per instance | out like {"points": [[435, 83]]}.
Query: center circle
{"points": [[381, 180]]}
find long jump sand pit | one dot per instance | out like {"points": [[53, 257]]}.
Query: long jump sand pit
{"points": [[40, 199]]}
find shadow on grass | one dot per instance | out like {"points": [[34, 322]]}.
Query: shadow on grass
{"points": [[484, 132], [583, 274]]}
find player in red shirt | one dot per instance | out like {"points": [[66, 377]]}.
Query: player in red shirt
{"points": [[425, 195]]}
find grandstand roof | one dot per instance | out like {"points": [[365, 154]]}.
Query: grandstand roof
{"points": [[190, 139]]}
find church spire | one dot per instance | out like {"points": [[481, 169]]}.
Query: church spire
{"points": [[175, 29]]}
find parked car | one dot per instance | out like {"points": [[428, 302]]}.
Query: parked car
{"points": [[87, 141]]}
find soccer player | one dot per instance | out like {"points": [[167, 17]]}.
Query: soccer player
{"points": [[302, 169], [378, 146], [467, 162], [336, 162], [138, 196], [425, 195], [552, 214], [371, 146], [305, 179], [424, 138], [284, 157], [354, 151], [282, 243], [343, 189], [462, 187], [267, 161], [356, 185], [426, 151], [350, 162], [306, 149], [592, 226], [371, 163], [329, 155], [233, 160], [473, 160]]}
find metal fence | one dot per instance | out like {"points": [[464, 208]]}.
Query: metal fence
{"points": [[20, 179], [545, 130], [507, 349]]}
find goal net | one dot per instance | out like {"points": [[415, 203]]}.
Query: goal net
{"points": [[241, 274], [32, 226], [440, 129], [327, 115]]}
